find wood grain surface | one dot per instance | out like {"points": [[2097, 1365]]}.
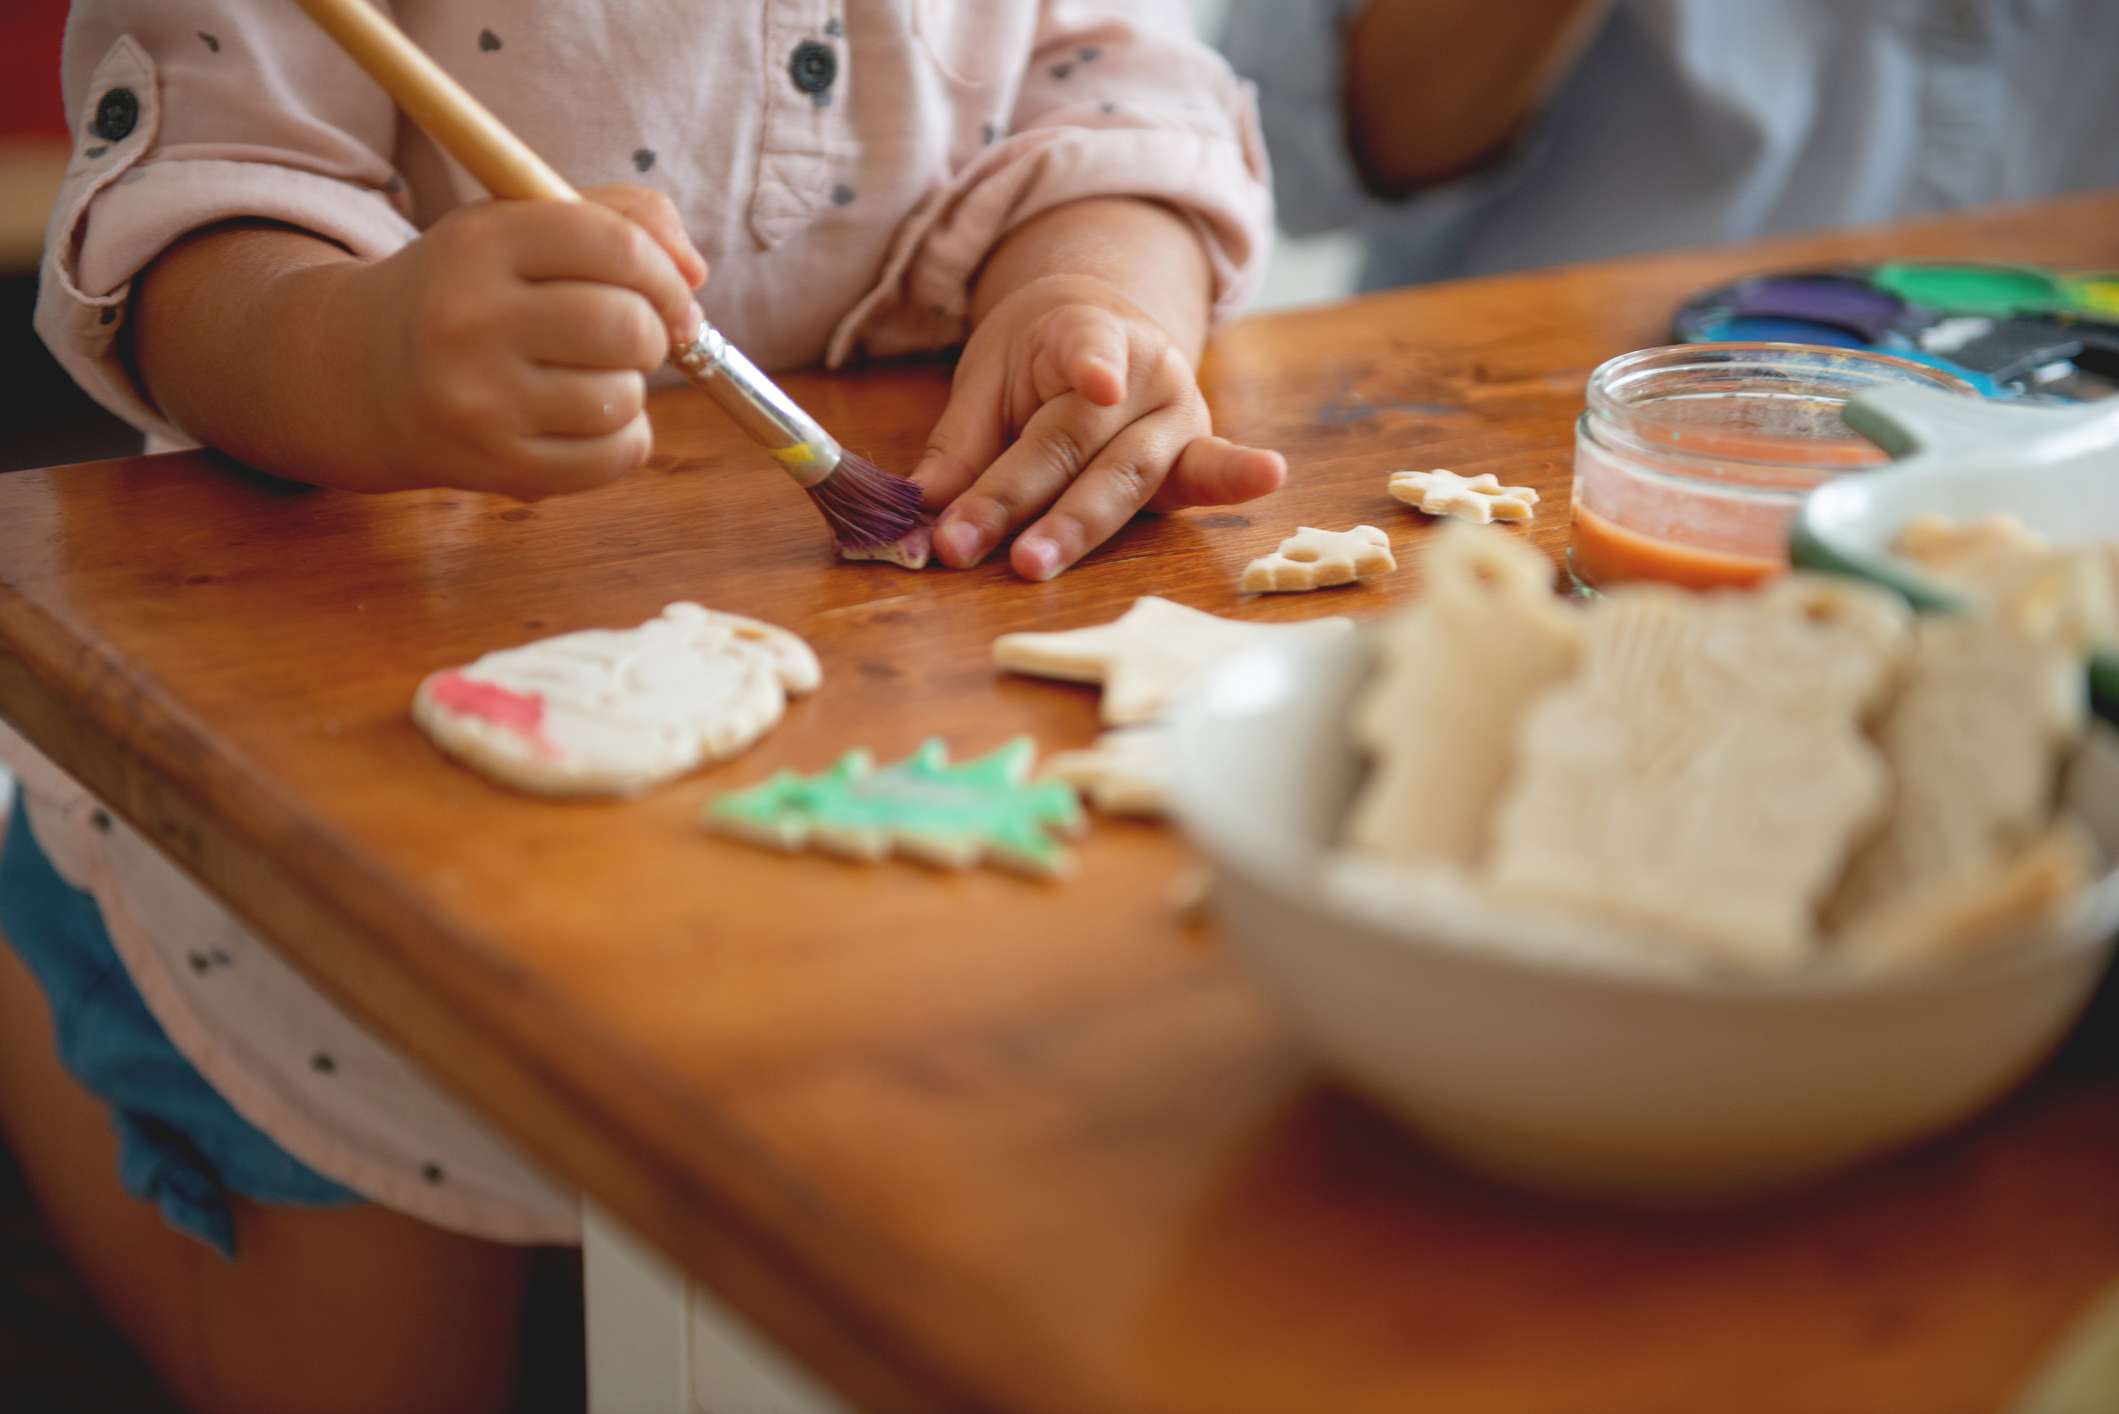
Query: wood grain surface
{"points": [[974, 1142]]}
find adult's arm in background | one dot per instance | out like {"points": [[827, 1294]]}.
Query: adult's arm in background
{"points": [[1367, 102], [1436, 88]]}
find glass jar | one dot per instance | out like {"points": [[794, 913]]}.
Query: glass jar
{"points": [[1690, 461]]}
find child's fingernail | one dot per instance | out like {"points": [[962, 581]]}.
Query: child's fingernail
{"points": [[1040, 557], [694, 317], [958, 543]]}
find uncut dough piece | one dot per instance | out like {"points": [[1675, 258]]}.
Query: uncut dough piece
{"points": [[1125, 773], [1147, 657], [2010, 899], [613, 712], [1480, 498], [1975, 739], [1313, 559], [1705, 776], [1455, 673]]}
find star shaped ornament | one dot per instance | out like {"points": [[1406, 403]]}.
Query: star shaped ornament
{"points": [[1147, 658]]}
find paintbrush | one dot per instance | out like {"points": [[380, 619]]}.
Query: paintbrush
{"points": [[865, 505]]}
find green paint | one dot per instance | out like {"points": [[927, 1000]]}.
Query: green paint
{"points": [[922, 806], [1992, 291]]}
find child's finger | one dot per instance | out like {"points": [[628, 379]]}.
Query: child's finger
{"points": [[574, 324], [966, 439], [573, 402], [557, 466], [657, 214], [1213, 471], [1083, 350], [553, 240], [1122, 479], [1059, 444]]}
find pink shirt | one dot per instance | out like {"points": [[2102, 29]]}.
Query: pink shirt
{"points": [[844, 165]]}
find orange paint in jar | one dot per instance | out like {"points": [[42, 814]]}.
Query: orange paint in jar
{"points": [[1690, 461]]}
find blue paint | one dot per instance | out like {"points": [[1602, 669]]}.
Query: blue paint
{"points": [[1765, 329]]}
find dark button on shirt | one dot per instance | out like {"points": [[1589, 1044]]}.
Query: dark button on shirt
{"points": [[813, 66], [116, 113]]}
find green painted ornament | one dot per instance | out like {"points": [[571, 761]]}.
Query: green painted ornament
{"points": [[987, 810]]}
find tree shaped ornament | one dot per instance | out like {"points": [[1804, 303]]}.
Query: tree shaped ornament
{"points": [[987, 810]]}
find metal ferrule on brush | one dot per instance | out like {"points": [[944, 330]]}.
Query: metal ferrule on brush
{"points": [[756, 403]]}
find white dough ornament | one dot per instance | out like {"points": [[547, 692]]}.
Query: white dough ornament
{"points": [[1147, 658], [613, 712], [1313, 559], [1480, 498], [1125, 773]]}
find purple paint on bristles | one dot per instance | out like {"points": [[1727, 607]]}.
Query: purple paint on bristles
{"points": [[865, 505]]}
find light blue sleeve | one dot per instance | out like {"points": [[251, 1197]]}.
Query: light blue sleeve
{"points": [[1291, 50]]}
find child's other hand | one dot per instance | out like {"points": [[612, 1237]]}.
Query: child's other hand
{"points": [[1068, 396], [509, 346]]}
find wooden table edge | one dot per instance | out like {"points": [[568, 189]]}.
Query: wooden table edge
{"points": [[145, 782]]}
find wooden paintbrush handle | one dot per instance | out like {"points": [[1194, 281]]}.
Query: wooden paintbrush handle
{"points": [[456, 121]]}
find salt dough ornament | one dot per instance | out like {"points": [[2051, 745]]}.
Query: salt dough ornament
{"points": [[1975, 740], [911, 551], [1313, 558], [921, 807], [1704, 776], [1480, 498], [1146, 658], [2057, 594], [613, 712], [1455, 674], [1125, 773]]}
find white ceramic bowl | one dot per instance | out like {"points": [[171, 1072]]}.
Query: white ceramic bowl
{"points": [[1549, 1069]]}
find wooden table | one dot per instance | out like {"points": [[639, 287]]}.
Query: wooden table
{"points": [[972, 1142]]}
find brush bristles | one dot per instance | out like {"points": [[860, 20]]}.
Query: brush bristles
{"points": [[865, 505]]}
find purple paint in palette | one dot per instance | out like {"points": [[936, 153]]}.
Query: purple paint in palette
{"points": [[1845, 304]]}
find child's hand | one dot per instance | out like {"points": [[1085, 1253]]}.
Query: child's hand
{"points": [[1068, 396], [509, 346]]}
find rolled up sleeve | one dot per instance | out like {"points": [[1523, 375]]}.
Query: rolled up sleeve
{"points": [[186, 115], [1115, 101]]}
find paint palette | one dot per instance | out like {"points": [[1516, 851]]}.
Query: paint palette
{"points": [[2009, 330]]}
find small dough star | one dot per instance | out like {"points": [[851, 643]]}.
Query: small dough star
{"points": [[1313, 558], [1146, 658], [1481, 498]]}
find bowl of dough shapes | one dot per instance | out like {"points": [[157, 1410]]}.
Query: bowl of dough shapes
{"points": [[1567, 1056]]}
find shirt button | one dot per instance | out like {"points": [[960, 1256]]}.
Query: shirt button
{"points": [[116, 113], [813, 66]]}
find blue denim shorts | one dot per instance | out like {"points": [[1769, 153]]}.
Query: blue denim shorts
{"points": [[180, 1145]]}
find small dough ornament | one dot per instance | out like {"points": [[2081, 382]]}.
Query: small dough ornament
{"points": [[1313, 558], [613, 712], [1125, 773], [921, 807], [1147, 658], [911, 551], [1480, 498]]}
